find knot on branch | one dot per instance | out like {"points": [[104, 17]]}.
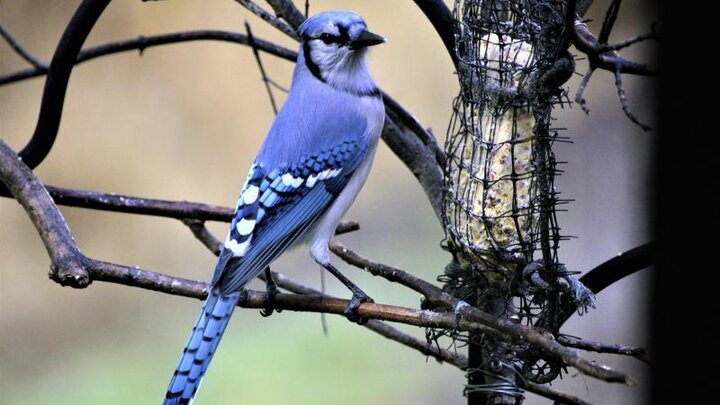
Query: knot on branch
{"points": [[70, 272]]}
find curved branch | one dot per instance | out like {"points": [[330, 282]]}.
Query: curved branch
{"points": [[619, 267], [609, 272], [442, 20], [56, 83]]}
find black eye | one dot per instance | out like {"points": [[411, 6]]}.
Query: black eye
{"points": [[327, 38]]}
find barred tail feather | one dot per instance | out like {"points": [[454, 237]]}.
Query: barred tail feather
{"points": [[200, 347]]}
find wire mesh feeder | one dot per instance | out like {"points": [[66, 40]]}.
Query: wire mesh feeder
{"points": [[499, 196]]}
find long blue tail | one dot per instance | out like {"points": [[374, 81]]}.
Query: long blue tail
{"points": [[200, 348]]}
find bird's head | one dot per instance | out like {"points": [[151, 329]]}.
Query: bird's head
{"points": [[334, 44]]}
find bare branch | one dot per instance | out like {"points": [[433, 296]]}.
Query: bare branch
{"points": [[418, 158], [608, 273], [465, 311], [286, 10], [70, 267], [264, 75], [206, 238], [442, 20], [581, 89], [27, 56], [571, 341], [268, 18], [141, 43], [624, 102], [201, 233], [601, 56], [418, 154], [68, 264], [58, 75], [407, 122]]}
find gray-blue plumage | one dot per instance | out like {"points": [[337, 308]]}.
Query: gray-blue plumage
{"points": [[306, 175]]}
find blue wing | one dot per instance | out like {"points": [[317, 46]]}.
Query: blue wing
{"points": [[277, 206]]}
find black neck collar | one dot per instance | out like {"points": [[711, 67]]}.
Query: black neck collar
{"points": [[315, 70]]}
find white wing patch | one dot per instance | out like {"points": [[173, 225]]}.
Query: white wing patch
{"points": [[245, 226], [251, 194], [238, 249], [311, 180]]}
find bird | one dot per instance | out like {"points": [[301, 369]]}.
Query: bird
{"points": [[315, 159]]}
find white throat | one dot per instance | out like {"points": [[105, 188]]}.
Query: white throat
{"points": [[346, 70]]}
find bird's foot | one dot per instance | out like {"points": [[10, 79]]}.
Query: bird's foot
{"points": [[351, 311], [271, 291]]}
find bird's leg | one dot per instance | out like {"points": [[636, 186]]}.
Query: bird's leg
{"points": [[358, 297], [270, 291]]}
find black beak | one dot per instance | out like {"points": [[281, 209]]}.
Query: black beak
{"points": [[366, 39]]}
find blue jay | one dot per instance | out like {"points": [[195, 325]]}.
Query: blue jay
{"points": [[308, 172]]}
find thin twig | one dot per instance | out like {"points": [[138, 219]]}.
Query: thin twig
{"points": [[581, 90], [572, 341], [264, 75], [522, 332], [624, 102], [628, 42], [141, 43], [268, 18], [27, 56]]}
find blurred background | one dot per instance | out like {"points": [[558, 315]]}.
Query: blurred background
{"points": [[183, 122]]}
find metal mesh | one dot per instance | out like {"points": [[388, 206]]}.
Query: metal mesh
{"points": [[499, 197]]}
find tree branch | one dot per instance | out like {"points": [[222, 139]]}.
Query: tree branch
{"points": [[67, 263], [442, 20], [58, 75], [72, 268], [27, 56], [288, 12], [418, 154], [418, 158], [571, 341], [465, 311], [268, 18], [600, 56], [208, 240], [141, 43], [608, 273]]}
